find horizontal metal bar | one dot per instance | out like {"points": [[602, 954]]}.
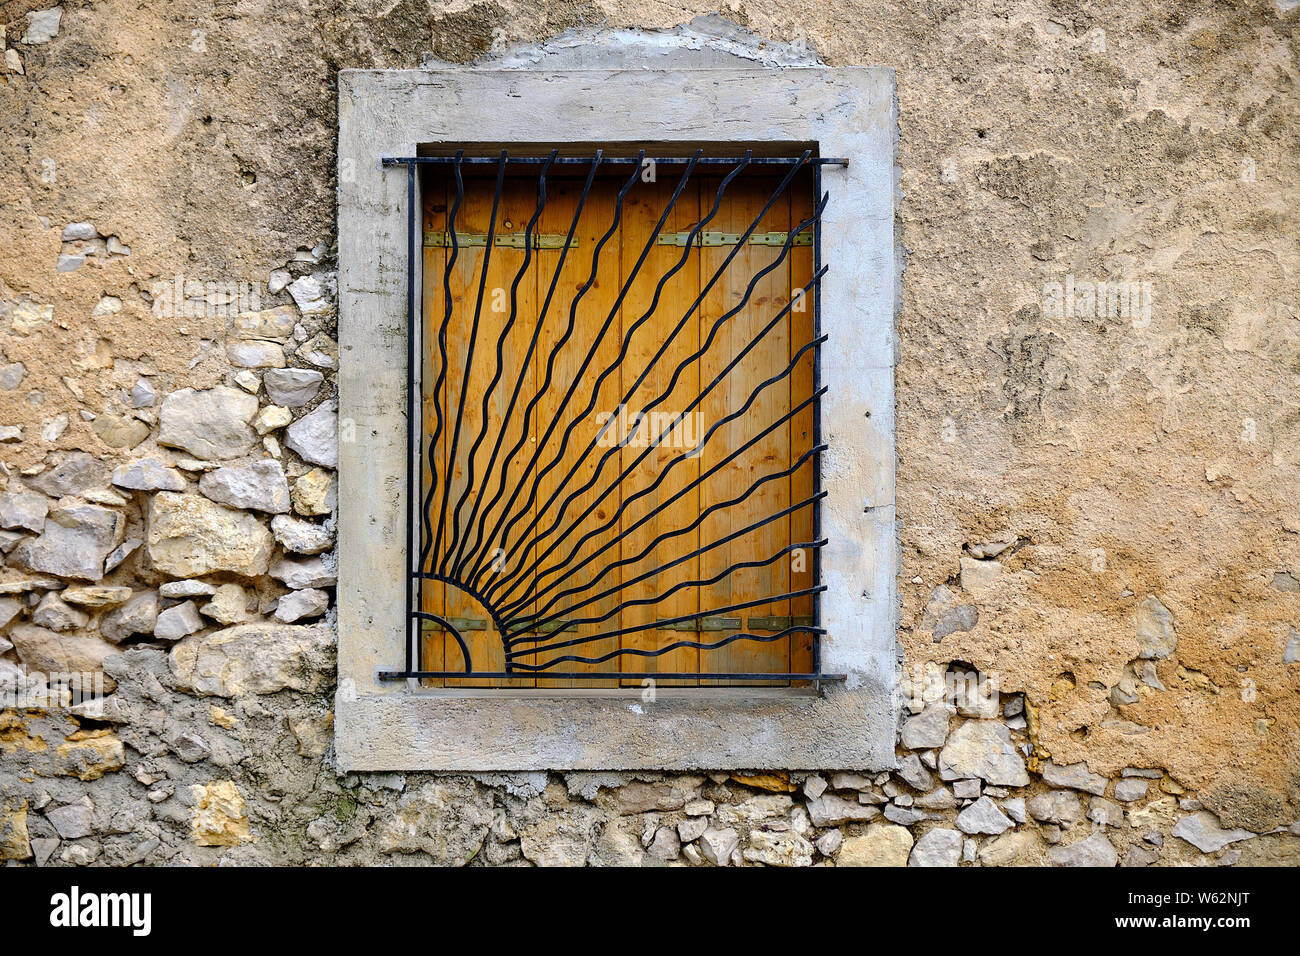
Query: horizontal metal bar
{"points": [[604, 676], [612, 160]]}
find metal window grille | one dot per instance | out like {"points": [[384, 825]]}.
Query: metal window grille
{"points": [[523, 600]]}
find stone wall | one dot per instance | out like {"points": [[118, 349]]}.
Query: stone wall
{"points": [[1096, 508]]}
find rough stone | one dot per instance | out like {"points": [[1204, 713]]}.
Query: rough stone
{"points": [[307, 573], [119, 431], [74, 820], [830, 810], [1155, 629], [74, 543], [137, 616], [275, 324], [938, 847], [315, 436], [42, 27], [718, 845], [314, 493], [73, 475], [260, 486], [983, 749], [928, 729], [292, 387], [1075, 776], [1130, 791], [190, 536], [1202, 830], [211, 423], [1010, 848], [254, 659], [177, 622], [297, 605], [255, 354], [14, 841], [148, 474], [1105, 813], [883, 844], [220, 816], [1057, 807], [270, 418], [302, 537], [229, 605], [58, 616], [48, 652], [23, 510], [1095, 850], [983, 816]]}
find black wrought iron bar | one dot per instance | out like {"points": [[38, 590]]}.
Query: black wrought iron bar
{"points": [[512, 582], [703, 516], [435, 543], [526, 365], [652, 625], [535, 593], [515, 636], [408, 638], [506, 328], [469, 360], [624, 160], [550, 374], [581, 459], [702, 645], [450, 629], [613, 312], [597, 340], [477, 571], [823, 199]]}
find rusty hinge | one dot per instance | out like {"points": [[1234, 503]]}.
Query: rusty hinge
{"points": [[459, 623], [703, 624], [439, 238], [733, 238], [778, 623]]}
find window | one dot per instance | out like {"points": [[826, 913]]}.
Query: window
{"points": [[563, 588], [617, 469]]}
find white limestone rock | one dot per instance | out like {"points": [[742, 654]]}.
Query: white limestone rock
{"points": [[292, 387], [148, 474], [260, 486], [210, 423], [315, 436], [190, 536], [74, 542]]}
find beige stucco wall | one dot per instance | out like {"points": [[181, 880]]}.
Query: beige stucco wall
{"points": [[1119, 458]]}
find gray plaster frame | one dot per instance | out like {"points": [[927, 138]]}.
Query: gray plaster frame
{"points": [[849, 112]]}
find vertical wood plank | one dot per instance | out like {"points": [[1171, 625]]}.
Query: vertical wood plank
{"points": [[802, 379], [678, 293], [770, 454]]}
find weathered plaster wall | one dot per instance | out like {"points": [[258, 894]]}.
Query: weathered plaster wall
{"points": [[1096, 509]]}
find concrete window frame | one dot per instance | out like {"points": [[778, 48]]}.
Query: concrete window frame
{"points": [[849, 112]]}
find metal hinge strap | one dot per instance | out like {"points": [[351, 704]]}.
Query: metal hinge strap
{"points": [[550, 627], [439, 238], [459, 623], [703, 624], [779, 623], [733, 238]]}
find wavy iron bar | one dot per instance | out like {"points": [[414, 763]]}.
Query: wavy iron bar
{"points": [[526, 600]]}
